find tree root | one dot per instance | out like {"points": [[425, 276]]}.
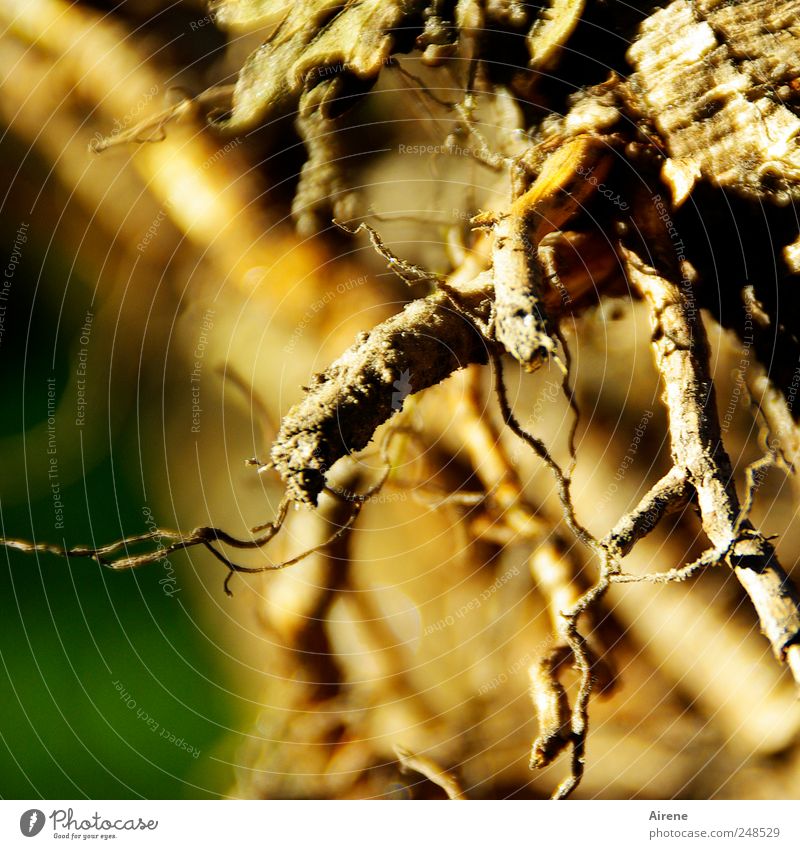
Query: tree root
{"points": [[208, 537], [432, 771], [681, 352], [344, 405]]}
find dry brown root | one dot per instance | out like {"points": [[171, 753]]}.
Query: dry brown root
{"points": [[432, 771], [344, 406], [299, 625], [667, 496], [163, 542], [415, 349], [420, 347], [323, 187], [551, 30], [559, 579], [521, 324], [309, 705], [553, 564], [702, 469], [784, 434], [557, 194], [515, 263], [681, 351], [552, 707], [153, 128]]}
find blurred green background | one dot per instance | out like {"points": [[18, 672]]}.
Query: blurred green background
{"points": [[70, 630]]}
